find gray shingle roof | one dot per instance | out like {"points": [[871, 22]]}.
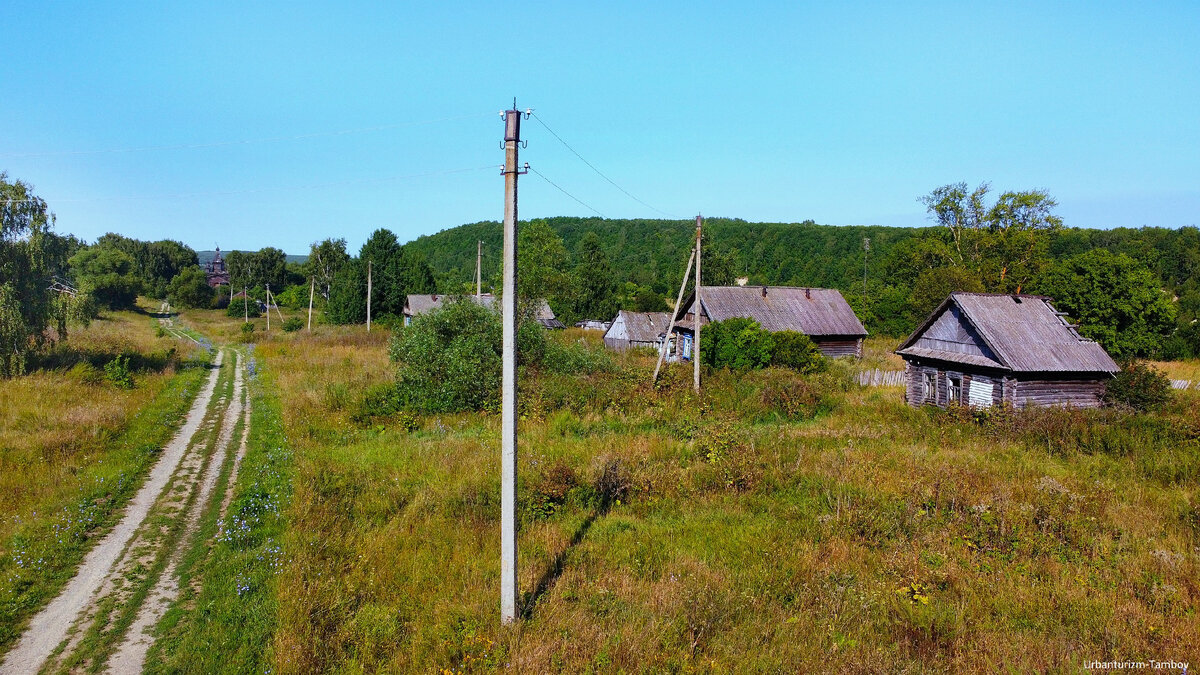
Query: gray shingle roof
{"points": [[420, 304], [812, 311], [645, 326], [1024, 332]]}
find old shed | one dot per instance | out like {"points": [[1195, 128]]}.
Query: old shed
{"points": [[983, 349], [637, 329], [416, 305], [820, 313]]}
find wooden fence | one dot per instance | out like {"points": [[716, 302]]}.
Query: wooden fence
{"points": [[881, 378]]}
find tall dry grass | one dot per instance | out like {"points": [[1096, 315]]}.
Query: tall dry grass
{"points": [[774, 523]]}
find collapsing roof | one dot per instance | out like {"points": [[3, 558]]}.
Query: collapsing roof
{"points": [[1020, 333], [644, 326], [812, 311]]}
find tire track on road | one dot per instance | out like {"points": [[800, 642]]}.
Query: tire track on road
{"points": [[51, 626]]}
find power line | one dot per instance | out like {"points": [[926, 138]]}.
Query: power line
{"points": [[559, 188], [593, 168], [250, 141], [282, 188]]}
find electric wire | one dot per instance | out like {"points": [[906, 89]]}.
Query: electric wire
{"points": [[249, 141], [559, 188], [281, 188], [593, 168]]}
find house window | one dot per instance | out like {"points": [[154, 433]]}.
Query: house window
{"points": [[955, 382], [930, 380]]}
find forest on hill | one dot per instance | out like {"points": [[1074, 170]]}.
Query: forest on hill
{"points": [[1141, 282]]}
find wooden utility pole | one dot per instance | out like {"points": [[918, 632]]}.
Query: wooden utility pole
{"points": [[479, 270], [312, 287], [368, 296], [696, 313], [662, 353], [508, 390]]}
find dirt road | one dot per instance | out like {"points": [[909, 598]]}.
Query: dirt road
{"points": [[106, 614]]}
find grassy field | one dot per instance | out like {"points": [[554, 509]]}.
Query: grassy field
{"points": [[774, 523], [75, 443]]}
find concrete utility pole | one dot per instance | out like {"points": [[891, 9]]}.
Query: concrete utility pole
{"points": [[312, 287], [246, 304], [368, 296], [478, 270], [508, 390], [268, 307], [696, 313]]}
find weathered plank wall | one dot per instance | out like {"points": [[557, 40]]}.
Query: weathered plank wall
{"points": [[836, 347], [1071, 393]]}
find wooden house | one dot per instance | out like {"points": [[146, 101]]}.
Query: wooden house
{"points": [[983, 349], [820, 313], [416, 305], [637, 329]]}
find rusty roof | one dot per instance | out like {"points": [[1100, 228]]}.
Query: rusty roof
{"points": [[1025, 333], [812, 311]]}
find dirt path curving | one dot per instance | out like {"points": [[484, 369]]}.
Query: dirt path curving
{"points": [[51, 626]]}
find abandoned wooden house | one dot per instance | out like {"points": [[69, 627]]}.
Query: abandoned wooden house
{"points": [[416, 305], [982, 349], [820, 313], [637, 329], [593, 324]]}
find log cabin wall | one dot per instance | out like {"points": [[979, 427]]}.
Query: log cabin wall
{"points": [[1073, 393], [834, 347]]}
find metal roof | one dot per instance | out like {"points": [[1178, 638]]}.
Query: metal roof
{"points": [[1025, 333], [812, 311]]}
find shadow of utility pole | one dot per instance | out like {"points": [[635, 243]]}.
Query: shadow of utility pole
{"points": [[555, 569]]}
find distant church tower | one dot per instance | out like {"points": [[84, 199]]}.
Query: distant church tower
{"points": [[216, 272]]}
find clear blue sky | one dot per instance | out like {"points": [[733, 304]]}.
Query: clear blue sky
{"points": [[844, 113]]}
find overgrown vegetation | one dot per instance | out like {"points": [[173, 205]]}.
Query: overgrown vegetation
{"points": [[777, 522], [75, 442]]}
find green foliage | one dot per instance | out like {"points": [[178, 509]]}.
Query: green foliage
{"points": [[1117, 301], [242, 308], [647, 300], [544, 269], [449, 359], [118, 374], [738, 343], [30, 256], [795, 350], [1138, 386], [396, 272], [294, 297], [14, 334], [293, 324], [935, 285], [348, 297], [191, 289], [597, 283], [325, 259], [108, 275]]}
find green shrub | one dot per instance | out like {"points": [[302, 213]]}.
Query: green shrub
{"points": [[240, 308], [118, 374], [292, 325], [797, 351], [1138, 386], [450, 358], [738, 344]]}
